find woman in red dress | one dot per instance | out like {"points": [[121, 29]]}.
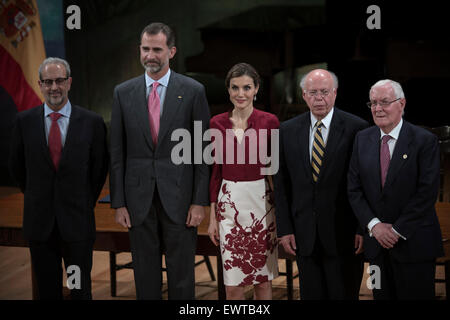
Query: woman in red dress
{"points": [[242, 218]]}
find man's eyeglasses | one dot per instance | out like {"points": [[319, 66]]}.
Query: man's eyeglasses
{"points": [[373, 104], [315, 93], [49, 82]]}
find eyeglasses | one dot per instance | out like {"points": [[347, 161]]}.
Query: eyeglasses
{"points": [[315, 93], [49, 82], [373, 104]]}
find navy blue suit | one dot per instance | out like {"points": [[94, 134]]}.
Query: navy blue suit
{"points": [[406, 201]]}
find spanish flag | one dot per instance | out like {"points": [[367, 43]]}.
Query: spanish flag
{"points": [[21, 52]]}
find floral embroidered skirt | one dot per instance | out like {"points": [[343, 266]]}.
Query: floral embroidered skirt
{"points": [[247, 230]]}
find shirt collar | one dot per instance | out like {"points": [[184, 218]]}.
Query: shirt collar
{"points": [[394, 132], [164, 80], [326, 121], [64, 111]]}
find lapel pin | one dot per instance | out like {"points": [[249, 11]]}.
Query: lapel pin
{"points": [[180, 97], [405, 156]]}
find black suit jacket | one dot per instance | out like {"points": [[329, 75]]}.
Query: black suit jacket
{"points": [[318, 210], [66, 196], [137, 165], [409, 194]]}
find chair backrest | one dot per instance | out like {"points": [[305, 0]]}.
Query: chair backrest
{"points": [[443, 213], [443, 133]]}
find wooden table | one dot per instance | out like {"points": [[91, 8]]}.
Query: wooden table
{"points": [[111, 236]]}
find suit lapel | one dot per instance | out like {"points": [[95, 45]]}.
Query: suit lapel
{"points": [[72, 132], [303, 133], [140, 109], [173, 99], [373, 154], [398, 157], [336, 131], [41, 129]]}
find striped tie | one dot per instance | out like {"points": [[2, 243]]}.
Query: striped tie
{"points": [[318, 151]]}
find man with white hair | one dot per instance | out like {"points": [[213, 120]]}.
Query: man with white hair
{"points": [[393, 183], [314, 218]]}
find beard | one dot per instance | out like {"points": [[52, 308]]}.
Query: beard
{"points": [[55, 101], [153, 66]]}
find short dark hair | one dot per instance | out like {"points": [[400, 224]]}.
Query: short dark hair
{"points": [[242, 69], [157, 27]]}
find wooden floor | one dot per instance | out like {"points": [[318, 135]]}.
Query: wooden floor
{"points": [[15, 279]]}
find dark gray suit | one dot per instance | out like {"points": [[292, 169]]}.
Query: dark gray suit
{"points": [[145, 180]]}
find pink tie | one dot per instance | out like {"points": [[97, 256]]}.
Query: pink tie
{"points": [[54, 139], [385, 158], [154, 112]]}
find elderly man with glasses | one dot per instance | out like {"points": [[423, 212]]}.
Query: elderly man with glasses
{"points": [[314, 218], [393, 183]]}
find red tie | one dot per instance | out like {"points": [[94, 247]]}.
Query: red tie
{"points": [[154, 108], [54, 139], [385, 158]]}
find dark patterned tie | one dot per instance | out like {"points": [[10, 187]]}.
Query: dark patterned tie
{"points": [[318, 151], [54, 139], [385, 158]]}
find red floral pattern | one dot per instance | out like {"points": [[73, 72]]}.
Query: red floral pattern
{"points": [[248, 245]]}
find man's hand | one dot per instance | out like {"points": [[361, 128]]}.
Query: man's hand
{"points": [[288, 242], [359, 240], [122, 217], [385, 235], [195, 216]]}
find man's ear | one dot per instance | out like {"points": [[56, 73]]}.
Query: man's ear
{"points": [[69, 82], [173, 50]]}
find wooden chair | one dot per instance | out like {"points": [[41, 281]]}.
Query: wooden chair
{"points": [[114, 267], [290, 276], [443, 134], [443, 213]]}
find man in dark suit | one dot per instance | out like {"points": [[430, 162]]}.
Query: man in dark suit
{"points": [[393, 184], [161, 202], [59, 159], [314, 219]]}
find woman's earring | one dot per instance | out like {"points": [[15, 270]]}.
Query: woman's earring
{"points": [[254, 97]]}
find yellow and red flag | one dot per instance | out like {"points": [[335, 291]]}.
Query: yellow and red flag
{"points": [[21, 52]]}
